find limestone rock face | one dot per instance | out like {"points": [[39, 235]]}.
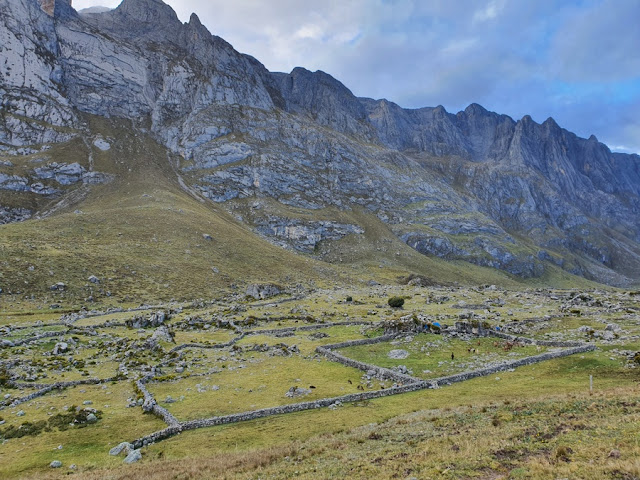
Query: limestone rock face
{"points": [[34, 109], [475, 186]]}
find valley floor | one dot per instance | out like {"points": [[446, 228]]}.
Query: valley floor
{"points": [[534, 421]]}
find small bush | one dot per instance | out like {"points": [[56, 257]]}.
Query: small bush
{"points": [[349, 299], [563, 453], [396, 302]]}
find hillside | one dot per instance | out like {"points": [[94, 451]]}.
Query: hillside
{"points": [[205, 140]]}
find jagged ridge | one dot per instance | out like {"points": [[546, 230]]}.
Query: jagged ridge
{"points": [[475, 185]]}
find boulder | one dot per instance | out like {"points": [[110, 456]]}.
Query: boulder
{"points": [[125, 447], [60, 347], [133, 456], [398, 354], [295, 391], [262, 291]]}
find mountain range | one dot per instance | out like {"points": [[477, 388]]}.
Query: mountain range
{"points": [[101, 105]]}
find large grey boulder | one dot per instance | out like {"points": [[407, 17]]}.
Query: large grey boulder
{"points": [[125, 447], [133, 456], [262, 291]]}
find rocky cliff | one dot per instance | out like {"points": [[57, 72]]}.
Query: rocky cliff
{"points": [[283, 151]]}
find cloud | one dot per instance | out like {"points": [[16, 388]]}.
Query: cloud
{"points": [[601, 43], [491, 11]]}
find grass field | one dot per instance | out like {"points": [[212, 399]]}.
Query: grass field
{"points": [[532, 422]]}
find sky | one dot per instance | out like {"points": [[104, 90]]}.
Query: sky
{"points": [[577, 61]]}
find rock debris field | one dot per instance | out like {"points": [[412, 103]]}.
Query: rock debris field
{"points": [[136, 377]]}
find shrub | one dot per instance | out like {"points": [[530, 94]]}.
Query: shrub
{"points": [[396, 302], [562, 453]]}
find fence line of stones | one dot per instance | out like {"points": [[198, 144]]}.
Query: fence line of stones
{"points": [[546, 318], [150, 405], [303, 328], [355, 397], [36, 325], [408, 383], [280, 301], [54, 386], [230, 343], [89, 331], [529, 341], [25, 341], [379, 372], [267, 412], [86, 315], [482, 372], [465, 327]]}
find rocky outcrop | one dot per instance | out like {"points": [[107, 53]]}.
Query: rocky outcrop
{"points": [[262, 291], [32, 107], [301, 235]]}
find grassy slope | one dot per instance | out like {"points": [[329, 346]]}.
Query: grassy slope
{"points": [[483, 428], [142, 235], [260, 448]]}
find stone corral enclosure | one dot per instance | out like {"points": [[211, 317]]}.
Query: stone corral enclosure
{"points": [[176, 368]]}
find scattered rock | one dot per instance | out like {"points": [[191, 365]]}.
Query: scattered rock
{"points": [[133, 456], [55, 464], [60, 347], [102, 144], [402, 369], [262, 291], [398, 354], [295, 392], [125, 447]]}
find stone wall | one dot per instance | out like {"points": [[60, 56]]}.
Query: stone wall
{"points": [[151, 406], [44, 389], [410, 384], [461, 377], [466, 327], [304, 328]]}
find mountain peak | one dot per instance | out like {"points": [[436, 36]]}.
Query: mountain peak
{"points": [[475, 109], [195, 20], [148, 11], [440, 110]]}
